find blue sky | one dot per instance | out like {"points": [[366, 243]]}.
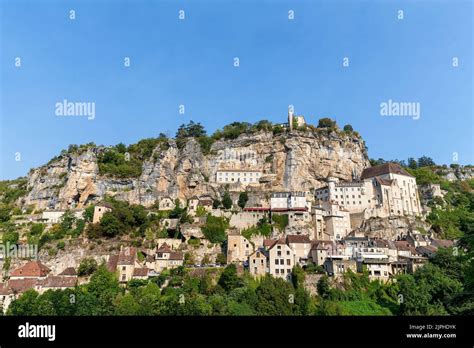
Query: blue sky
{"points": [[190, 62]]}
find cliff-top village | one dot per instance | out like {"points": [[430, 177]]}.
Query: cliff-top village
{"points": [[357, 217]]}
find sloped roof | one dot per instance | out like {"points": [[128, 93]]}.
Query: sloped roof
{"points": [[59, 282], [70, 271], [140, 272], [176, 255], [127, 256], [31, 269], [21, 285], [298, 239], [385, 168], [112, 263]]}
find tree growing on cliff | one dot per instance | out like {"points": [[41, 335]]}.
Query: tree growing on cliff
{"points": [[326, 123], [226, 200], [243, 199]]}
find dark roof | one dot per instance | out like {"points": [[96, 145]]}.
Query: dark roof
{"points": [[382, 169], [112, 263], [127, 256], [442, 243], [59, 282], [140, 272], [278, 242], [31, 269], [70, 271], [21, 285], [297, 239], [269, 242], [405, 246], [384, 181], [176, 255]]}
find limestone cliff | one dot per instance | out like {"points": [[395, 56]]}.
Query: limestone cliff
{"points": [[290, 161]]}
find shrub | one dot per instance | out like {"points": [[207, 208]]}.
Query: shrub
{"points": [[87, 267]]}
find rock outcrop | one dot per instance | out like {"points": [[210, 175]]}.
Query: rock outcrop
{"points": [[290, 161]]}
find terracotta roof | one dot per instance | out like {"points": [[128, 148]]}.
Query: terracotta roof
{"points": [[5, 290], [127, 256], [297, 239], [59, 282], [70, 271], [269, 242], [140, 272], [31, 269], [112, 263], [21, 285], [382, 169], [278, 242]]}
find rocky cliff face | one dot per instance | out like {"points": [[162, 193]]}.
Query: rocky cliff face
{"points": [[291, 161]]}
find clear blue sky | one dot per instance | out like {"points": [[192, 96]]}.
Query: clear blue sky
{"points": [[190, 62]]}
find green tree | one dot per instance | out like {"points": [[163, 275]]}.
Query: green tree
{"points": [[87, 267], [348, 128], [226, 200], [214, 229], [229, 279], [243, 199], [326, 123]]}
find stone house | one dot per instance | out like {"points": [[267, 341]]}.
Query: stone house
{"points": [[99, 210], [280, 260], [238, 247], [258, 263], [166, 258], [166, 203], [301, 246], [378, 269]]}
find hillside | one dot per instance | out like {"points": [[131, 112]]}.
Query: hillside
{"points": [[187, 166]]}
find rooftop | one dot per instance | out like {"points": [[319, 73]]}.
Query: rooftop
{"points": [[386, 168]]}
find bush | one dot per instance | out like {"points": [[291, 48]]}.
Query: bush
{"points": [[326, 123], [87, 267], [214, 229], [226, 200]]}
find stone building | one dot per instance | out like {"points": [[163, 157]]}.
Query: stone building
{"points": [[243, 176], [258, 263], [384, 190], [99, 211], [280, 260], [166, 258], [238, 247]]}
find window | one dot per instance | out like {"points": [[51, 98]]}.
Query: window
{"points": [[288, 262], [287, 252], [277, 271], [276, 261], [123, 277], [123, 268]]}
